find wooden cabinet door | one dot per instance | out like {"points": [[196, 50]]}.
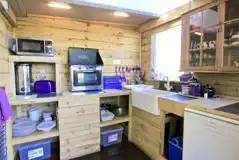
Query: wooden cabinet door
{"points": [[230, 36], [200, 39], [79, 126], [146, 137]]}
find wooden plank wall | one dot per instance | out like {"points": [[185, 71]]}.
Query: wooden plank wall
{"points": [[115, 41], [226, 84], [6, 31]]}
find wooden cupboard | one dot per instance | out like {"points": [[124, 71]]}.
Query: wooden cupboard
{"points": [[210, 38], [146, 132], [79, 125]]}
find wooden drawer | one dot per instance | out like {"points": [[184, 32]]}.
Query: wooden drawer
{"points": [[70, 122], [172, 107], [78, 100], [146, 137], [79, 152], [77, 111], [147, 117], [76, 133]]}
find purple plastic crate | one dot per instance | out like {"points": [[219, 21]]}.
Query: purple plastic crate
{"points": [[112, 82]]}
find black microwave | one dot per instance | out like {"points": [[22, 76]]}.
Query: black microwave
{"points": [[31, 46]]}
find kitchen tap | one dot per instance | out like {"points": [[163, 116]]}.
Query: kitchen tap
{"points": [[167, 85]]}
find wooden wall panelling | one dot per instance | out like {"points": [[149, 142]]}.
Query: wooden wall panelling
{"points": [[114, 41], [226, 84], [6, 31]]}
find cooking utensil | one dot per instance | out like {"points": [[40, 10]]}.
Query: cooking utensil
{"points": [[116, 70], [123, 75], [119, 111]]}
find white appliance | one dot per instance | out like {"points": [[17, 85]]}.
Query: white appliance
{"points": [[209, 137]]}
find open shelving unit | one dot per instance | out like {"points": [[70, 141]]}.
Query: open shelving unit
{"points": [[38, 135], [116, 120], [123, 99], [34, 59]]}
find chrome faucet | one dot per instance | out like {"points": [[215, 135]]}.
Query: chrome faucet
{"points": [[167, 85]]}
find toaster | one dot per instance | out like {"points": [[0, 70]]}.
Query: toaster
{"points": [[44, 86]]}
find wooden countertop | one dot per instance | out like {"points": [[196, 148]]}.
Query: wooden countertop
{"points": [[33, 99], [218, 106]]}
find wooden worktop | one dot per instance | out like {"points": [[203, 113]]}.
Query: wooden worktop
{"points": [[33, 99], [221, 107]]}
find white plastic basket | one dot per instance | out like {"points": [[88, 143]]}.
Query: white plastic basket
{"points": [[106, 115]]}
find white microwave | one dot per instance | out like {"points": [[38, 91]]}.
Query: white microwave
{"points": [[31, 46]]}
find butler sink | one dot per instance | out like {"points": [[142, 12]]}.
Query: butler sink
{"points": [[147, 99]]}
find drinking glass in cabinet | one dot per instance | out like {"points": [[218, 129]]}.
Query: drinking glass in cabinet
{"points": [[231, 45], [210, 17], [195, 41], [232, 8], [209, 46], [196, 21], [194, 59]]}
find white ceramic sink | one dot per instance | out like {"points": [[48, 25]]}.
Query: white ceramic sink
{"points": [[147, 99]]}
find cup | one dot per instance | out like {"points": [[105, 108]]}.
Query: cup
{"points": [[34, 114]]}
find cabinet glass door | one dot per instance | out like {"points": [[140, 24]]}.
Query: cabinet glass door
{"points": [[209, 46], [203, 38], [231, 36]]}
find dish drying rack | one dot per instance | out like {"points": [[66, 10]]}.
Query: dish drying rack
{"points": [[3, 140]]}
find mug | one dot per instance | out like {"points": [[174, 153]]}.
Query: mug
{"points": [[212, 44], [205, 45]]}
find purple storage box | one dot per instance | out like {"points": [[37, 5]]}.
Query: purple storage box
{"points": [[44, 86], [112, 82]]}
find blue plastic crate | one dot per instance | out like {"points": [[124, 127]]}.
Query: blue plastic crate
{"points": [[175, 149], [38, 150]]}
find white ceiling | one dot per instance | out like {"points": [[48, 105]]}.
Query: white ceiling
{"points": [[84, 11]]}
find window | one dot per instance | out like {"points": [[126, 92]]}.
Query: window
{"points": [[166, 54]]}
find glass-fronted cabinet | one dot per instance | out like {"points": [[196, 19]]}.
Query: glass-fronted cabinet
{"points": [[203, 32], [231, 36], [211, 38]]}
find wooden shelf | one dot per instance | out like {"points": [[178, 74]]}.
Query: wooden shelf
{"points": [[116, 120], [35, 59], [231, 45], [114, 93], [38, 135], [204, 49], [30, 99]]}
